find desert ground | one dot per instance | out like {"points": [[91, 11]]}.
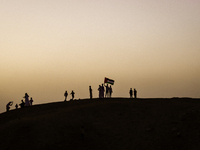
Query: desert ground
{"points": [[107, 124]]}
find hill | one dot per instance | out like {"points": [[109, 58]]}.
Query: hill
{"points": [[109, 124]]}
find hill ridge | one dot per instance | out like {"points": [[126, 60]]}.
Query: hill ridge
{"points": [[116, 123]]}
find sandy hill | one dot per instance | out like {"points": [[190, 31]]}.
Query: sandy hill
{"points": [[109, 124]]}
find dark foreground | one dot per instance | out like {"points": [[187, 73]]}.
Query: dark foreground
{"points": [[109, 124]]}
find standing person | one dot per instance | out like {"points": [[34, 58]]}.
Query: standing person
{"points": [[31, 101], [135, 93], [99, 89], [16, 106], [8, 106], [102, 91], [27, 99], [72, 93], [90, 90], [131, 93], [110, 90], [65, 94], [107, 90]]}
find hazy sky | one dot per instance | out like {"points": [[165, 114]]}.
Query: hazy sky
{"points": [[49, 46]]}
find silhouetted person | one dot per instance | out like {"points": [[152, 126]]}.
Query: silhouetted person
{"points": [[22, 105], [102, 91], [99, 89], [107, 90], [8, 106], [111, 91], [90, 90], [135, 93], [27, 99], [72, 93], [31, 101], [16, 106], [131, 93], [65, 94]]}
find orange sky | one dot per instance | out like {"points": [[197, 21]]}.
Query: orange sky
{"points": [[48, 47]]}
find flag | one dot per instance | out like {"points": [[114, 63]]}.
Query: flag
{"points": [[109, 81]]}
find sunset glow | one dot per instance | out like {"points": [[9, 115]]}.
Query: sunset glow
{"points": [[48, 47]]}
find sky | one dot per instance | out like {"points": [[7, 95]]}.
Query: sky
{"points": [[50, 46]]}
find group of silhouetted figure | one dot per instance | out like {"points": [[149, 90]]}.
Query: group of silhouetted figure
{"points": [[22, 104], [131, 92], [66, 94], [103, 90]]}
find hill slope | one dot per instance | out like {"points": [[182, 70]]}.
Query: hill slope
{"points": [[116, 123]]}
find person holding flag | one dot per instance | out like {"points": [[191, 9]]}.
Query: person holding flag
{"points": [[108, 89]]}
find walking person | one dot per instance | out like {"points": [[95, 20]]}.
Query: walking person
{"points": [[65, 94], [72, 93], [131, 93], [90, 90]]}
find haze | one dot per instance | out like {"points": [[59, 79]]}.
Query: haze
{"points": [[48, 47]]}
